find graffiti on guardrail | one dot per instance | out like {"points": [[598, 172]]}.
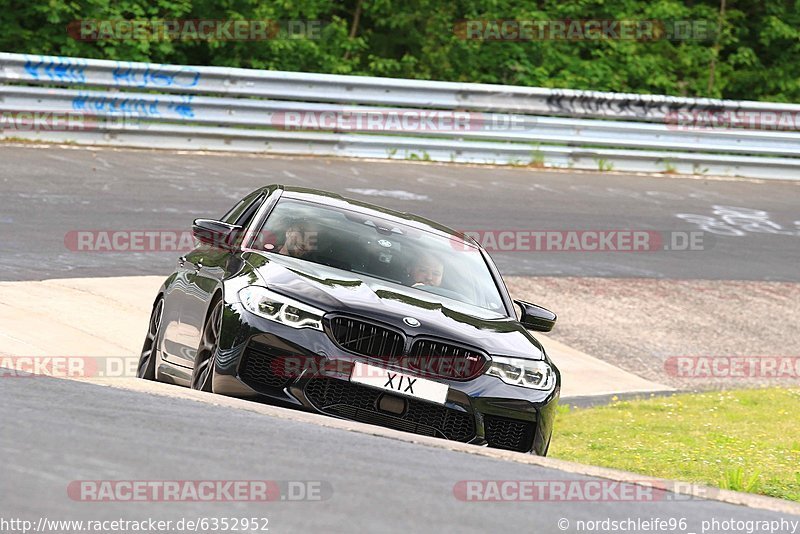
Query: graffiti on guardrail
{"points": [[184, 109], [491, 111], [152, 107], [56, 69], [73, 70], [154, 75], [644, 106]]}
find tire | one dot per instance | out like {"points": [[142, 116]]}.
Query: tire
{"points": [[148, 357], [206, 357]]}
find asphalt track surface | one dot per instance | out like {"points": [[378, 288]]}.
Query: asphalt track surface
{"points": [[58, 431], [48, 192], [66, 431]]}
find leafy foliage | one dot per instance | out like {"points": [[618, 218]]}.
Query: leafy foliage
{"points": [[755, 56]]}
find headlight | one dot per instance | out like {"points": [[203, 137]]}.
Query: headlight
{"points": [[533, 374], [275, 307]]}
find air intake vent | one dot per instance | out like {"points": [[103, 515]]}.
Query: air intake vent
{"points": [[509, 434], [360, 403], [262, 366]]}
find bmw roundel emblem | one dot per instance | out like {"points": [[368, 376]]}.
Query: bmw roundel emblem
{"points": [[410, 321]]}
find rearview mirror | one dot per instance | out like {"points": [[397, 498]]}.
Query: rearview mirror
{"points": [[216, 233], [535, 317]]}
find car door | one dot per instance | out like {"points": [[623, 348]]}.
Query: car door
{"points": [[174, 300], [189, 300], [209, 266]]}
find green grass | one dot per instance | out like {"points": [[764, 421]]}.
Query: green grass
{"points": [[604, 165], [744, 440]]}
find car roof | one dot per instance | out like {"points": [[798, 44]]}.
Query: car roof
{"points": [[336, 200]]}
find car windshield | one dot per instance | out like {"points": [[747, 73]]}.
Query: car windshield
{"points": [[375, 247]]}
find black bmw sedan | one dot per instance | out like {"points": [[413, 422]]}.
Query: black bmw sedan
{"points": [[304, 298]]}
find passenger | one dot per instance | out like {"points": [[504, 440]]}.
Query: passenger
{"points": [[427, 271]]}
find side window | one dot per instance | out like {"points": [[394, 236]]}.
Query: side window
{"points": [[242, 215], [250, 211], [235, 213]]}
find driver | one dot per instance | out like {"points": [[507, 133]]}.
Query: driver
{"points": [[427, 271], [301, 240]]}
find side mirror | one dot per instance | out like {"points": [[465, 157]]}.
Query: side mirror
{"points": [[535, 317], [216, 233]]}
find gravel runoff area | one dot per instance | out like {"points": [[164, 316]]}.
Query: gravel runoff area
{"points": [[689, 334]]}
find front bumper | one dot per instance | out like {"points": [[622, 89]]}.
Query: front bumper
{"points": [[264, 360]]}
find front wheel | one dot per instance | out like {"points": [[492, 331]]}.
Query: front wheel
{"points": [[203, 373], [147, 360]]}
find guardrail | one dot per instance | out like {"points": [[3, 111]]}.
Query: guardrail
{"points": [[216, 108]]}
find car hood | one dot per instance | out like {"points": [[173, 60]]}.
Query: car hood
{"points": [[335, 290]]}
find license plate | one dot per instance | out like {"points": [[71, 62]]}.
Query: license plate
{"points": [[402, 384]]}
